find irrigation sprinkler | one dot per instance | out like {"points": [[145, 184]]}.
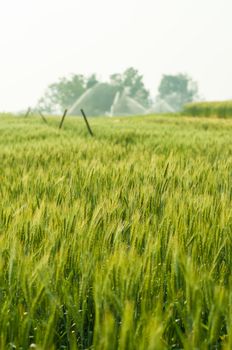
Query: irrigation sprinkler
{"points": [[63, 118], [43, 117], [86, 122], [28, 112]]}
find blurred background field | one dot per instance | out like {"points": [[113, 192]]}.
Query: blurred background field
{"points": [[221, 109]]}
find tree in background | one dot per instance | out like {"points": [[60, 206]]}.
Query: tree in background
{"points": [[91, 81], [132, 81], [64, 93], [177, 90]]}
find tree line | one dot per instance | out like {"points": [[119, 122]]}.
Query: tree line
{"points": [[175, 90]]}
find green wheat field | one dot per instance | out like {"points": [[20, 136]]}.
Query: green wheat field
{"points": [[120, 241]]}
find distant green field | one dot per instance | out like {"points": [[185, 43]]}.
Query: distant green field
{"points": [[121, 241], [209, 109]]}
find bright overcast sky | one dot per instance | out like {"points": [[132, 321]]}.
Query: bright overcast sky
{"points": [[42, 40]]}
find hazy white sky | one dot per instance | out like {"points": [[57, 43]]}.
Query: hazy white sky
{"points": [[42, 40]]}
